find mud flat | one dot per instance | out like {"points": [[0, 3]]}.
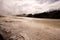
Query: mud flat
{"points": [[24, 28]]}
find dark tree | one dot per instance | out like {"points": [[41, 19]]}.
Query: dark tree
{"points": [[51, 14], [29, 15]]}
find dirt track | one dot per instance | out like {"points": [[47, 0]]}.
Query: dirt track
{"points": [[23, 28]]}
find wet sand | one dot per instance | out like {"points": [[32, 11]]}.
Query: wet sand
{"points": [[25, 28]]}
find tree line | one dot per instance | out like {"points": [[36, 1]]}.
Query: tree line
{"points": [[51, 14]]}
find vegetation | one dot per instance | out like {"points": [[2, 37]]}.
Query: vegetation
{"points": [[52, 14]]}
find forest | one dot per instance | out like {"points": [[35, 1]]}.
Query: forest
{"points": [[51, 14]]}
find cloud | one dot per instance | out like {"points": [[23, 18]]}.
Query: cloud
{"points": [[14, 7]]}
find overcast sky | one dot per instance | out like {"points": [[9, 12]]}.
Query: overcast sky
{"points": [[13, 7]]}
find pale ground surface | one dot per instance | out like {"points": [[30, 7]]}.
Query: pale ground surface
{"points": [[24, 28]]}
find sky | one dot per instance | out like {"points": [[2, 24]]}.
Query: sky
{"points": [[19, 7]]}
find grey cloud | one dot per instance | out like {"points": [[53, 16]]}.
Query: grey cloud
{"points": [[14, 7]]}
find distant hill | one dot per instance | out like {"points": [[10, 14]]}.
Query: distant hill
{"points": [[51, 14]]}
